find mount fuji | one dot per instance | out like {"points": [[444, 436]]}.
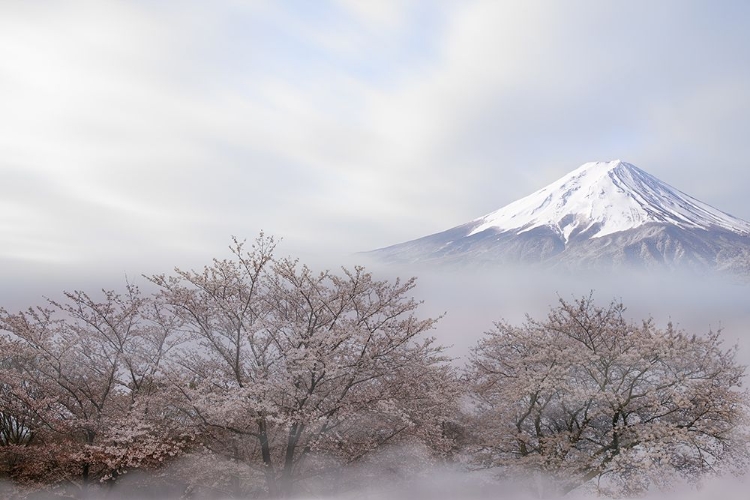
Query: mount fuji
{"points": [[600, 215]]}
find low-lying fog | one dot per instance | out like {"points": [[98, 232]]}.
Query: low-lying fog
{"points": [[473, 299], [439, 483]]}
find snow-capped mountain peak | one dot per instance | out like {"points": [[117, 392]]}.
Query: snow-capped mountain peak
{"points": [[602, 215], [602, 198]]}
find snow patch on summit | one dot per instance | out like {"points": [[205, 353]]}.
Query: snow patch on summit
{"points": [[601, 198]]}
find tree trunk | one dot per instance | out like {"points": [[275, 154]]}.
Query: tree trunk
{"points": [[265, 450], [287, 474]]}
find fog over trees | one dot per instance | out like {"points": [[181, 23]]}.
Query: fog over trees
{"points": [[258, 377]]}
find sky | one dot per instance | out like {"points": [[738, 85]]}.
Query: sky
{"points": [[139, 135]]}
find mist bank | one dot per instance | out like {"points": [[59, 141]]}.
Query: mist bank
{"points": [[471, 300], [400, 479]]}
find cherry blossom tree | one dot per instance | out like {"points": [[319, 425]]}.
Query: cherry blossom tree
{"points": [[78, 378], [287, 364], [587, 396], [16, 419]]}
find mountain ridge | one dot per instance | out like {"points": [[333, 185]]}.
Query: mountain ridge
{"points": [[602, 214]]}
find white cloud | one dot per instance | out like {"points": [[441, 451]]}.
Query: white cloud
{"points": [[349, 125]]}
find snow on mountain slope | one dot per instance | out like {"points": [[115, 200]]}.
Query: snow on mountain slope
{"points": [[601, 215], [602, 198]]}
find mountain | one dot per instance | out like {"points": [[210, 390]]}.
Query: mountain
{"points": [[601, 215]]}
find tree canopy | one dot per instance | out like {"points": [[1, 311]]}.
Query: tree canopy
{"points": [[586, 395], [284, 372]]}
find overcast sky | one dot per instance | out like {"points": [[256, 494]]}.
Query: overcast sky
{"points": [[144, 132]]}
